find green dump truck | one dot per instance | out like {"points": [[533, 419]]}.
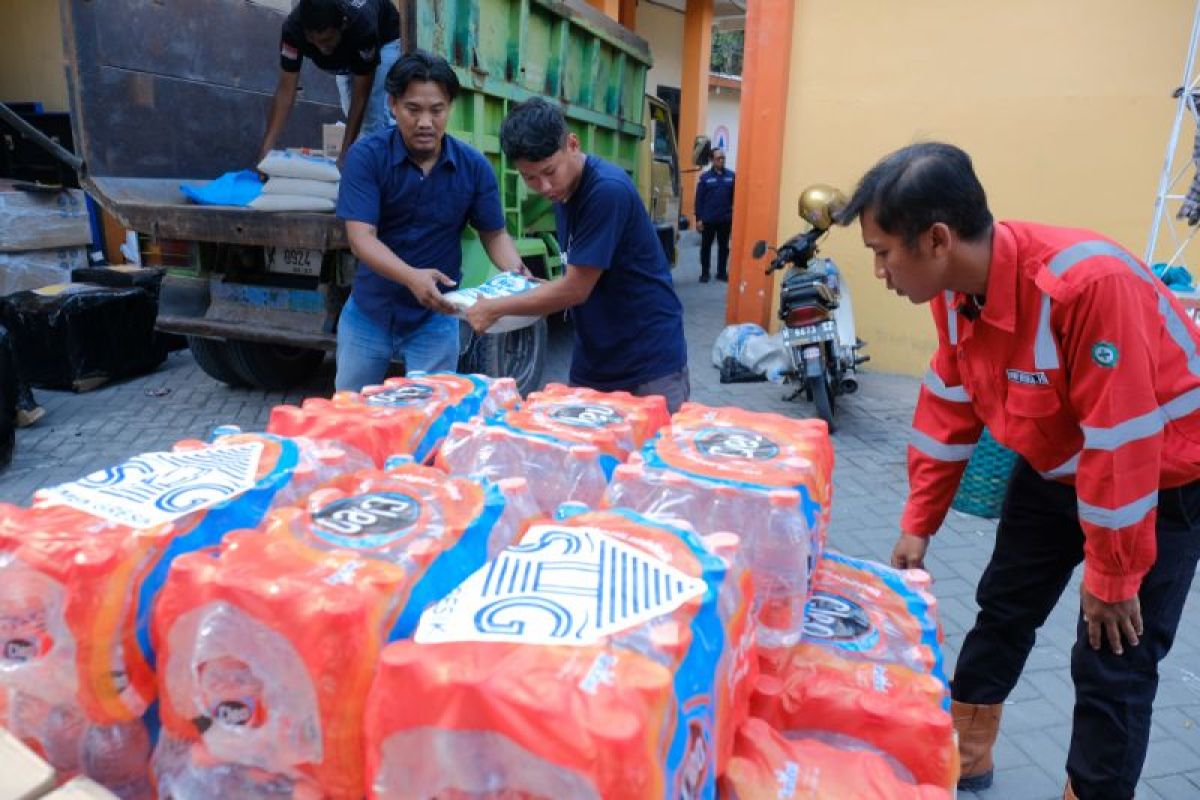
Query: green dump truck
{"points": [[174, 91]]}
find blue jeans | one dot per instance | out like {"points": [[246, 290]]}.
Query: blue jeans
{"points": [[365, 348], [377, 116]]}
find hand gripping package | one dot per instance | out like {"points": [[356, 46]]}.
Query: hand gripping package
{"points": [[79, 571], [268, 649], [504, 284], [404, 416], [565, 441], [606, 655], [763, 475], [770, 766]]}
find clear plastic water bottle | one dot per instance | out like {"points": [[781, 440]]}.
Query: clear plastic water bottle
{"points": [[779, 564], [118, 757], [519, 509], [587, 480]]}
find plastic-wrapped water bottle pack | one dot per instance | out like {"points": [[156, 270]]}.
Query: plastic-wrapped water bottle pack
{"points": [[403, 416], [605, 655], [580, 597]]}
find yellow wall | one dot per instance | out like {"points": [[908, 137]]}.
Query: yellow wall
{"points": [[1064, 106], [31, 58]]}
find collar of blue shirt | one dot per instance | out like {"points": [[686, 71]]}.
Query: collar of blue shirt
{"points": [[398, 152]]}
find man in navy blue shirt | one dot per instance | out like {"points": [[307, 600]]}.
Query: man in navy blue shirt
{"points": [[357, 41], [406, 195], [628, 319], [714, 215]]}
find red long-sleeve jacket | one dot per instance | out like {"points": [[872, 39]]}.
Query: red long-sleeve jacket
{"points": [[1086, 365]]}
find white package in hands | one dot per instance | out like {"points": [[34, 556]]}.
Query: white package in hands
{"points": [[504, 284]]}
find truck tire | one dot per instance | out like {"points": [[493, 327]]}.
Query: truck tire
{"points": [[213, 356], [519, 354], [273, 366]]}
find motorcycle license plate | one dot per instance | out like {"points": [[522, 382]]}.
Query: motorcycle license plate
{"points": [[811, 333], [294, 261]]}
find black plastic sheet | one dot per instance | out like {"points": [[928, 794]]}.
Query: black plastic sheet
{"points": [[79, 336], [148, 278]]}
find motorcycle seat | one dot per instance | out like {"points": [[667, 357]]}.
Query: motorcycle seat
{"points": [[800, 293]]}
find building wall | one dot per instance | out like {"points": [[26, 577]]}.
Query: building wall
{"points": [[31, 60], [724, 108], [662, 27], [1065, 108]]}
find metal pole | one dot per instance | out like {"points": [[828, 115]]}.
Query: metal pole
{"points": [[1165, 181]]}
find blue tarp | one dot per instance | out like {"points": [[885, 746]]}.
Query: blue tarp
{"points": [[231, 189], [1177, 278]]}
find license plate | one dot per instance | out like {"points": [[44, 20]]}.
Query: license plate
{"points": [[294, 261], [811, 333]]}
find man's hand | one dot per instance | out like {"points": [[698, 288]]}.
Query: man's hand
{"points": [[699, 226], [482, 315], [909, 552], [520, 269], [1111, 620], [423, 283]]}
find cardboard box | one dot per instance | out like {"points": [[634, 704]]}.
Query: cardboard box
{"points": [[331, 138], [33, 269], [42, 220]]}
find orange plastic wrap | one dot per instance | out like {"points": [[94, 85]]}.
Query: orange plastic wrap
{"points": [[894, 709], [270, 646], [616, 422], [604, 656], [266, 652], [404, 416], [767, 766]]}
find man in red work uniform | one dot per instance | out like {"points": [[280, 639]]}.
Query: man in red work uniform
{"points": [[1072, 354]]}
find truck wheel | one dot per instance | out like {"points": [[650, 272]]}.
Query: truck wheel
{"points": [[273, 366], [213, 356], [519, 354]]}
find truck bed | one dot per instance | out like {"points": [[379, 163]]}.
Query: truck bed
{"points": [[156, 206]]}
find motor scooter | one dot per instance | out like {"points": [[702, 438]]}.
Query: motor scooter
{"points": [[815, 307]]}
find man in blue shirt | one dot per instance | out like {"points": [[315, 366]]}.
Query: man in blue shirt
{"points": [[357, 41], [714, 215], [406, 195], [628, 319]]}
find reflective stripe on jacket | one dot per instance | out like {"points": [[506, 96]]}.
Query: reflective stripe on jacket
{"points": [[1083, 363]]}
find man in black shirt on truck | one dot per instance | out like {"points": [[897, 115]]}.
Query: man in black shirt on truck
{"points": [[357, 41]]}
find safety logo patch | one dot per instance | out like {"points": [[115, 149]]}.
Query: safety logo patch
{"points": [[158, 488], [563, 586], [1105, 354]]}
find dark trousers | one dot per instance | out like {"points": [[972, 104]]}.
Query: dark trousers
{"points": [[1038, 545], [720, 232]]}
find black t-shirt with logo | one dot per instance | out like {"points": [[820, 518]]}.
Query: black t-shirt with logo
{"points": [[370, 24]]}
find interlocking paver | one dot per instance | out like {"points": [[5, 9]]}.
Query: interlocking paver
{"points": [[82, 433]]}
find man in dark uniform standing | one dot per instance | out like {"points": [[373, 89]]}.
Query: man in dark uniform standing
{"points": [[357, 41], [714, 215]]}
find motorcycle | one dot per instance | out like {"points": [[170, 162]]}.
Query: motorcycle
{"points": [[814, 305]]}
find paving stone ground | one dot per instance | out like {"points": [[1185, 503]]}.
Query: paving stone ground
{"points": [[81, 433]]}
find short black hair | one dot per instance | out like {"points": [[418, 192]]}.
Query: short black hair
{"points": [[918, 186], [320, 15], [533, 130], [421, 67]]}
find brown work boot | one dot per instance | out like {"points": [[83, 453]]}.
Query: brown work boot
{"points": [[977, 727]]}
